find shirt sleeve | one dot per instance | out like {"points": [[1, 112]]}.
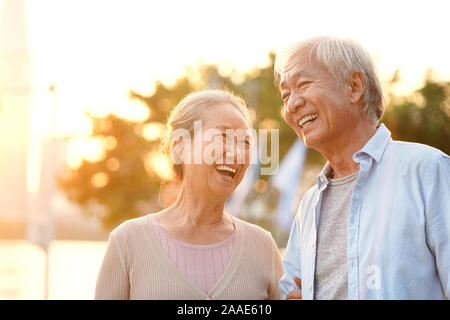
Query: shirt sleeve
{"points": [[438, 221], [291, 260], [112, 280], [277, 271]]}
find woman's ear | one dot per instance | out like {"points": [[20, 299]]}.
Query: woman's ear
{"points": [[357, 86], [177, 151]]}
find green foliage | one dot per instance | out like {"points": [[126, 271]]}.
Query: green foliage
{"points": [[133, 188], [423, 117], [127, 187]]}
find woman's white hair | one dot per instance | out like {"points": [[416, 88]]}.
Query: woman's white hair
{"points": [[341, 58], [192, 108]]}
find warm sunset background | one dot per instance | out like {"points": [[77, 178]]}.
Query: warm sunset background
{"points": [[86, 86]]}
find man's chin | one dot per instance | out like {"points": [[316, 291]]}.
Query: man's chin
{"points": [[309, 141]]}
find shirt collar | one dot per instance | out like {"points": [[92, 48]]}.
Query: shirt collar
{"points": [[374, 148], [376, 145], [322, 177]]}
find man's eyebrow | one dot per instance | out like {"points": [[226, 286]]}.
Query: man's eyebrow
{"points": [[296, 74]]}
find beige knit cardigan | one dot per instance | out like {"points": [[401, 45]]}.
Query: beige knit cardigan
{"points": [[135, 266]]}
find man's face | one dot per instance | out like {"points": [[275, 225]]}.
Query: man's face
{"points": [[315, 108]]}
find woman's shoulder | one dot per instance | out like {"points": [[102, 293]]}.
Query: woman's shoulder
{"points": [[257, 241], [130, 228], [253, 230]]}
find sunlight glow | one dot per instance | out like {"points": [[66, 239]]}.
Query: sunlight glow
{"points": [[153, 131], [132, 110], [113, 164], [159, 163], [97, 75], [79, 149], [110, 143], [99, 180]]}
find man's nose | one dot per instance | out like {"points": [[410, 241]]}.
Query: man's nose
{"points": [[295, 102]]}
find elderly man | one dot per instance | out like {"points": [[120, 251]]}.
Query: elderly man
{"points": [[377, 223]]}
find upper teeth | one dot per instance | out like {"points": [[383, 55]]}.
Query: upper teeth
{"points": [[226, 168], [307, 118]]}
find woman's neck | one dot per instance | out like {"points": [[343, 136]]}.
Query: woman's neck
{"points": [[196, 209]]}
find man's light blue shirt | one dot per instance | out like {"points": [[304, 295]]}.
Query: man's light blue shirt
{"points": [[398, 229]]}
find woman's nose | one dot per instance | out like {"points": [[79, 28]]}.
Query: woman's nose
{"points": [[235, 153], [240, 154]]}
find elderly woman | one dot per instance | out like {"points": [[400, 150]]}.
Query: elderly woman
{"points": [[193, 249]]}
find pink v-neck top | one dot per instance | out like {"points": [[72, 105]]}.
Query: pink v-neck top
{"points": [[203, 265], [136, 266]]}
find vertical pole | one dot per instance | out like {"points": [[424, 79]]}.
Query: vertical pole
{"points": [[46, 276], [49, 189]]}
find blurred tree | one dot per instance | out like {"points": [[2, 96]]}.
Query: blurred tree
{"points": [[422, 117], [113, 187], [125, 183]]}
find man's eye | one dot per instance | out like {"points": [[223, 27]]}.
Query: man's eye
{"points": [[303, 84]]}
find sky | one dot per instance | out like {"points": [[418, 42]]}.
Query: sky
{"points": [[96, 50]]}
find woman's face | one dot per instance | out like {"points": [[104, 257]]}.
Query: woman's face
{"points": [[219, 152]]}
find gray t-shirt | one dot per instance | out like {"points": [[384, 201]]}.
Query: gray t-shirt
{"points": [[330, 278]]}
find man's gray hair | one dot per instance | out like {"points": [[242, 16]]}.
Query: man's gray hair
{"points": [[341, 58]]}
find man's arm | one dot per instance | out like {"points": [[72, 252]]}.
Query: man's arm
{"points": [[296, 294], [438, 220]]}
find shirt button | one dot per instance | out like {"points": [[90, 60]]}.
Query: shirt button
{"points": [[312, 246], [310, 287], [322, 179]]}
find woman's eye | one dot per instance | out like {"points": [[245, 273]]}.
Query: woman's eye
{"points": [[285, 96], [227, 138]]}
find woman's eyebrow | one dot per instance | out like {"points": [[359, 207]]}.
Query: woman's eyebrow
{"points": [[224, 129]]}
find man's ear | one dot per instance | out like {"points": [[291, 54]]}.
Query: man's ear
{"points": [[357, 87]]}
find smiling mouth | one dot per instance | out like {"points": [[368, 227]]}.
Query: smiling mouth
{"points": [[226, 170], [307, 119]]}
